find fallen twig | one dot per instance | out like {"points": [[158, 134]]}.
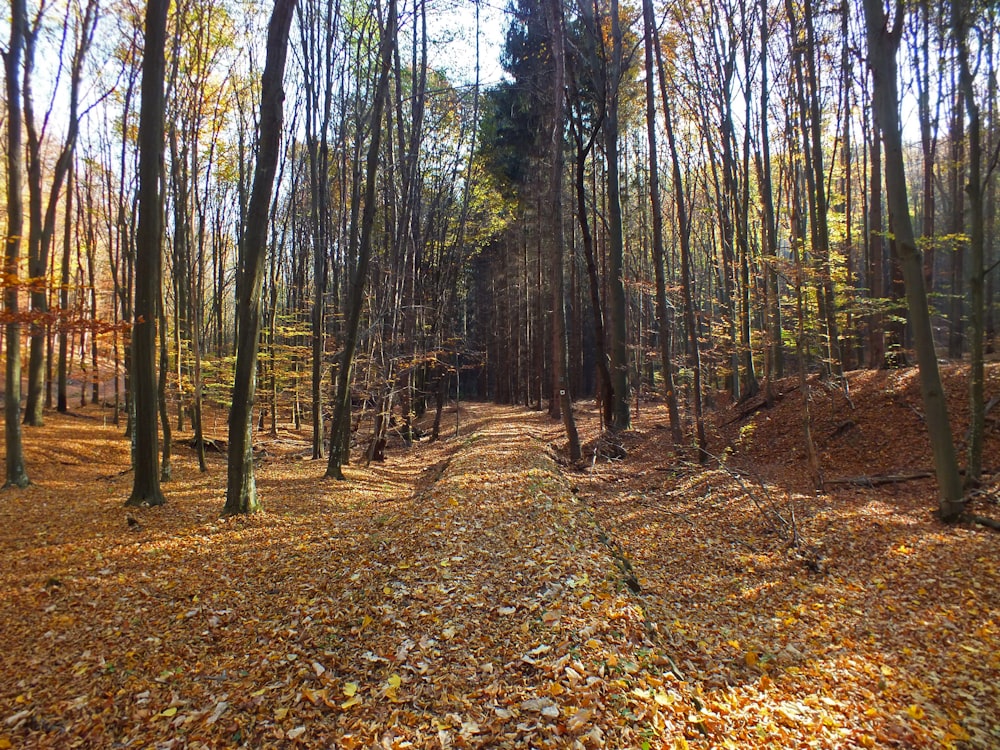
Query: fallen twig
{"points": [[874, 480]]}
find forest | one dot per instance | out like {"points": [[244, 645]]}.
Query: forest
{"points": [[546, 373]]}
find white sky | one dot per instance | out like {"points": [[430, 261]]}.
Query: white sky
{"points": [[452, 26]]}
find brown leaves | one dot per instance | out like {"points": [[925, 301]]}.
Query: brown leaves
{"points": [[480, 610]]}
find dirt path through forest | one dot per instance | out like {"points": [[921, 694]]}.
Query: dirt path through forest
{"points": [[455, 598], [475, 593]]}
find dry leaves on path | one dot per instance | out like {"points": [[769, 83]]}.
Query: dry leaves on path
{"points": [[473, 593]]}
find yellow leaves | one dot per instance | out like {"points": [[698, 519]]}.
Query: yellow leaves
{"points": [[957, 732], [352, 701], [751, 658], [168, 712], [915, 712], [5, 743], [350, 689]]}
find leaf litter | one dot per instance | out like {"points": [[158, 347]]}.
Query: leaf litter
{"points": [[461, 596]]}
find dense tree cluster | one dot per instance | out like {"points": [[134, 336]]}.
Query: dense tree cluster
{"points": [[685, 201]]}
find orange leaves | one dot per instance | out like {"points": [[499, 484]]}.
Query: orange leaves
{"points": [[481, 610]]}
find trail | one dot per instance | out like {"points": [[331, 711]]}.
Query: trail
{"points": [[458, 596]]}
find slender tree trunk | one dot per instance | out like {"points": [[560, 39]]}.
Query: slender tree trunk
{"points": [[775, 365], [974, 463], [560, 344], [664, 310], [883, 44], [956, 322], [687, 283], [166, 469], [617, 303], [342, 406], [875, 241], [241, 487], [146, 483], [16, 474]]}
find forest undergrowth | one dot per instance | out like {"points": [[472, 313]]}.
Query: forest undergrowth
{"points": [[480, 592]]}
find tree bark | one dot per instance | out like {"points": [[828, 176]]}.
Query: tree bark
{"points": [[16, 474], [340, 428], [241, 487], [560, 344], [617, 303], [664, 310], [974, 188], [687, 283], [883, 44], [146, 482]]}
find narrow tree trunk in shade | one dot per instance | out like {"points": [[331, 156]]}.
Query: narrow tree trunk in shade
{"points": [[560, 344], [166, 468], [617, 303], [62, 401], [875, 243], [687, 284], [241, 488], [775, 365], [956, 320], [340, 429], [16, 476], [146, 482], [664, 316], [928, 138], [883, 44], [974, 463]]}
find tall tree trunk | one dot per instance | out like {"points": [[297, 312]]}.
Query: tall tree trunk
{"points": [[664, 310], [560, 343], [875, 241], [241, 487], [956, 322], [775, 365], [883, 44], [43, 223], [687, 283], [340, 429], [617, 303], [146, 482], [960, 29], [62, 403], [16, 475]]}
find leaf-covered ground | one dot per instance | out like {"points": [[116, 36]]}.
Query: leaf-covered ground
{"points": [[478, 592]]}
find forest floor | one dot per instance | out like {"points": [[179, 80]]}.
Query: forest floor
{"points": [[481, 592]]}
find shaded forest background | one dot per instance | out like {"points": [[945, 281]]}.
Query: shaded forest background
{"points": [[684, 202]]}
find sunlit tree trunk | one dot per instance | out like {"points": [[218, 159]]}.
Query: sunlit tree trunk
{"points": [[16, 474], [687, 282], [664, 310], [241, 486], [883, 44], [146, 481], [340, 429]]}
